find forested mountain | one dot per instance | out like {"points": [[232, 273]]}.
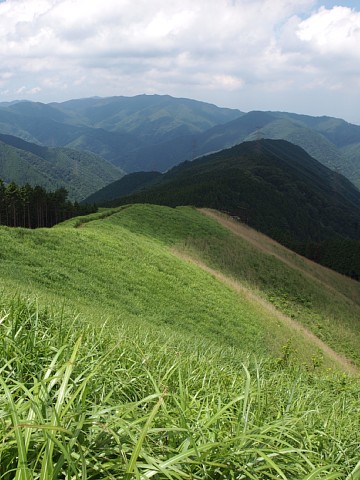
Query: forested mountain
{"points": [[111, 127], [275, 187], [156, 132], [331, 141], [81, 173]]}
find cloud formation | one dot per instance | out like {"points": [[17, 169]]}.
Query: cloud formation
{"points": [[264, 54]]}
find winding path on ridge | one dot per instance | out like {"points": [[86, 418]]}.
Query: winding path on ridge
{"points": [[269, 246], [343, 362]]}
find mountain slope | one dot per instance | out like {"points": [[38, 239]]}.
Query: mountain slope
{"points": [[139, 350], [81, 173], [275, 187], [128, 184], [113, 126], [338, 150]]}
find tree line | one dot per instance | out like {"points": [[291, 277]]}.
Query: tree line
{"points": [[34, 207]]}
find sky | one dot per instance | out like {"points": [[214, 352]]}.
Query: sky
{"points": [[298, 56]]}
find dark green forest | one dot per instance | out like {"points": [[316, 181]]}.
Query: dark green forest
{"points": [[34, 207]]}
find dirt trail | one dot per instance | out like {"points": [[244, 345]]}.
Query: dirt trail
{"points": [[271, 247], [342, 361]]}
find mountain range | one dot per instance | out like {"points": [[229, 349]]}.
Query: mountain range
{"points": [[111, 127], [333, 142], [156, 132]]}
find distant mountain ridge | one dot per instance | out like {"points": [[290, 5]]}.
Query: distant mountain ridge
{"points": [[157, 132], [111, 127], [331, 141]]}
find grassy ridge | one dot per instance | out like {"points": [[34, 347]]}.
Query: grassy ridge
{"points": [[128, 362], [324, 301], [117, 273], [119, 266]]}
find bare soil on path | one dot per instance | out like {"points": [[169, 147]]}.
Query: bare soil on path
{"points": [[344, 363], [271, 247]]}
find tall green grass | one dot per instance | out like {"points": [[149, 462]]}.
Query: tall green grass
{"points": [[80, 401], [120, 360], [111, 273], [323, 301]]}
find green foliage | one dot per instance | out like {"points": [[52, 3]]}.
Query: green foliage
{"points": [[78, 401], [35, 207], [81, 173]]}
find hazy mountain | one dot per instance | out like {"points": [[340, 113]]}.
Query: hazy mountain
{"points": [[79, 172], [156, 132], [111, 127], [315, 136], [152, 118]]}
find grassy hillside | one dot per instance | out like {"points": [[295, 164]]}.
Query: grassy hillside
{"points": [[275, 187], [127, 351], [116, 270], [122, 263], [81, 173]]}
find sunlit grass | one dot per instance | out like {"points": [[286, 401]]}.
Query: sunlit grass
{"points": [[326, 302], [120, 360], [78, 401]]}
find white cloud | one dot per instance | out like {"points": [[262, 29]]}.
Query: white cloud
{"points": [[218, 50], [28, 91], [332, 32]]}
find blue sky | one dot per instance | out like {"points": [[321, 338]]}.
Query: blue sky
{"points": [[291, 55], [332, 3]]}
